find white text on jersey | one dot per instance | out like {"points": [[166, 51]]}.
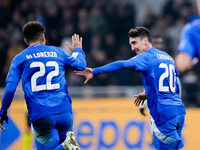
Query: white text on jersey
{"points": [[42, 54]]}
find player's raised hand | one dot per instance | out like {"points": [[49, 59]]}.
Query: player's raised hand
{"points": [[76, 42], [1, 122], [140, 98], [88, 73]]}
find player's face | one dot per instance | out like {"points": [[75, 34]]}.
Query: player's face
{"points": [[138, 45]]}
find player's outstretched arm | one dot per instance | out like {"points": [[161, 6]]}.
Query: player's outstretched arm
{"points": [[87, 73], [140, 98], [76, 42]]}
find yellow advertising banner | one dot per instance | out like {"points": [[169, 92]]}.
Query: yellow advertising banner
{"points": [[103, 124]]}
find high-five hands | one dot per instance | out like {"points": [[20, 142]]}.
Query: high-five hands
{"points": [[87, 73], [76, 42]]}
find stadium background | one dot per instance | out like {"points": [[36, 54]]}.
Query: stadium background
{"points": [[105, 117]]}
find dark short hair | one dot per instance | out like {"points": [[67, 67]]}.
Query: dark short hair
{"points": [[33, 31], [140, 32]]}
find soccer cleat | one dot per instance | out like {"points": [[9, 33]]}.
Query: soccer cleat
{"points": [[70, 142]]}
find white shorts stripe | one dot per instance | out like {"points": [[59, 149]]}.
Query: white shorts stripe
{"points": [[172, 142]]}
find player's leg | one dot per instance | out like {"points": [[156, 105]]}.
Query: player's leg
{"points": [[160, 145], [46, 134], [67, 137], [64, 125], [46, 140], [181, 121], [166, 136]]}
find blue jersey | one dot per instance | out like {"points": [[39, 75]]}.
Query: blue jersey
{"points": [[159, 76], [190, 39], [42, 72]]}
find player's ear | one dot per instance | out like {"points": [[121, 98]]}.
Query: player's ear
{"points": [[145, 40], [43, 39], [26, 41]]}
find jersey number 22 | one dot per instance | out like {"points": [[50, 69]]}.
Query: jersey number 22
{"points": [[41, 72]]}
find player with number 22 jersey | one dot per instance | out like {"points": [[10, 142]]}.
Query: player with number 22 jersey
{"points": [[42, 70]]}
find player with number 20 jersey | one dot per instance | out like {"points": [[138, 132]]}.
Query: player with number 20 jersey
{"points": [[159, 76]]}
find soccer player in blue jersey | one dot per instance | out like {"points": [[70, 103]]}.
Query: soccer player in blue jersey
{"points": [[42, 71], [189, 46], [159, 76], [159, 43]]}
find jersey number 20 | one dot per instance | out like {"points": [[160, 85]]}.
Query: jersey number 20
{"points": [[41, 72], [169, 72]]}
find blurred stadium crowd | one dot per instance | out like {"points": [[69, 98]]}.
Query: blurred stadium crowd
{"points": [[104, 26]]}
